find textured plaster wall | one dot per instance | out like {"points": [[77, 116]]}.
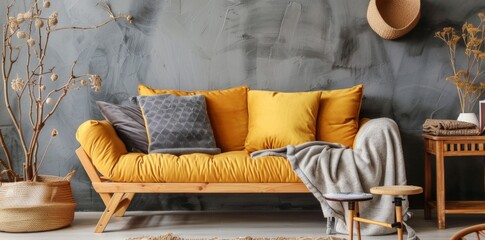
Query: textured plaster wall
{"points": [[277, 45]]}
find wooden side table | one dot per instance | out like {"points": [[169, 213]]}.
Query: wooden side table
{"points": [[448, 146]]}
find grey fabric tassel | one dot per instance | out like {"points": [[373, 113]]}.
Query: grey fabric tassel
{"points": [[411, 233], [330, 225]]}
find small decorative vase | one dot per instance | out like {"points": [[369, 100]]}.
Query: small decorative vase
{"points": [[468, 117]]}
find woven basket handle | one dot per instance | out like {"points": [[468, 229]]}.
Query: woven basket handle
{"points": [[69, 176]]}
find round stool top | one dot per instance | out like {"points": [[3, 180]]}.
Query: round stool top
{"points": [[397, 190], [348, 196]]}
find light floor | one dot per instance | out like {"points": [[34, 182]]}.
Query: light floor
{"points": [[228, 224]]}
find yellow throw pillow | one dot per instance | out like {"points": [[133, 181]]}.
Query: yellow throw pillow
{"points": [[227, 110], [338, 116], [278, 119]]}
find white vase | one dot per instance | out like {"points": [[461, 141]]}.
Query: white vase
{"points": [[468, 117]]}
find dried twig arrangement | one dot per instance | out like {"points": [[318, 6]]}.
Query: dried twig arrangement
{"points": [[26, 35], [467, 80]]}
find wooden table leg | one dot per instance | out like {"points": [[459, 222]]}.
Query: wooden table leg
{"points": [[440, 185], [427, 185], [484, 174]]}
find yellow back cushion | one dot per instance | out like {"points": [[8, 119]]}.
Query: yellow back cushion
{"points": [[338, 116], [227, 110], [278, 119]]}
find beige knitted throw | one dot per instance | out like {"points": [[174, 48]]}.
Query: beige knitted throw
{"points": [[376, 159], [447, 127]]}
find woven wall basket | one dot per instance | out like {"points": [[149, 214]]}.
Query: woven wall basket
{"points": [[391, 19], [36, 206]]}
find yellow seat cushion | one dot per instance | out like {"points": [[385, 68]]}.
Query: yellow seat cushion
{"points": [[338, 115], [109, 156], [278, 119], [227, 110]]}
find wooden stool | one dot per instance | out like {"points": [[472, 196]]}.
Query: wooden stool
{"points": [[353, 200], [396, 191]]}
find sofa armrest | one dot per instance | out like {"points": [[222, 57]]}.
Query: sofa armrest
{"points": [[101, 143]]}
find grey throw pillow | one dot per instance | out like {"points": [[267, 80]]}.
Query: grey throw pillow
{"points": [[178, 124], [128, 123]]}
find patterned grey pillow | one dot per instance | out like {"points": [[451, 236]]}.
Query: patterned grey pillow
{"points": [[128, 123], [178, 124]]}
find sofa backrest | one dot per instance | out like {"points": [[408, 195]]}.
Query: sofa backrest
{"points": [[337, 119], [227, 110], [338, 115]]}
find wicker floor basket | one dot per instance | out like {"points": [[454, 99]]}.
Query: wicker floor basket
{"points": [[36, 206], [391, 19]]}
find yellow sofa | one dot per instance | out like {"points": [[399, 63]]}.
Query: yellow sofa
{"points": [[241, 119]]}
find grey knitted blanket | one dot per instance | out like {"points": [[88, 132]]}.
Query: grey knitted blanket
{"points": [[376, 160]]}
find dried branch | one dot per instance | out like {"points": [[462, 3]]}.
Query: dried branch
{"points": [[112, 16], [3, 165], [31, 104], [11, 175], [38, 123], [50, 71], [34, 165], [64, 93], [53, 134], [85, 28], [5, 150], [6, 75]]}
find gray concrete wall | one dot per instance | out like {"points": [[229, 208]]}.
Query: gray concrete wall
{"points": [[279, 45]]}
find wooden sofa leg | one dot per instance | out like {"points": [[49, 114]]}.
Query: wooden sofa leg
{"points": [[124, 204], [106, 197], [108, 212], [116, 203]]}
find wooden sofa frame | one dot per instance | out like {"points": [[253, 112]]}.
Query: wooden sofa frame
{"points": [[117, 196]]}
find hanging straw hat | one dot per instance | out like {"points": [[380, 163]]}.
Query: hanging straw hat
{"points": [[391, 19]]}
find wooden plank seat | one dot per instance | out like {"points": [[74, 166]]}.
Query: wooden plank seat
{"points": [[398, 191], [117, 196]]}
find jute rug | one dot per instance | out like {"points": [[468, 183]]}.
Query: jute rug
{"points": [[172, 237]]}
